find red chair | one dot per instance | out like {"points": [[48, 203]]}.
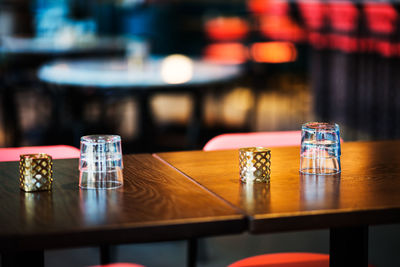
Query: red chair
{"points": [[121, 264], [57, 152], [267, 139], [294, 259], [285, 259]]}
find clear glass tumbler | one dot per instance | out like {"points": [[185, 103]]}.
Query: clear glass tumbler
{"points": [[100, 162], [320, 148]]}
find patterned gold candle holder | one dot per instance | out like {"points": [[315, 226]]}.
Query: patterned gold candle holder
{"points": [[35, 172], [255, 164]]}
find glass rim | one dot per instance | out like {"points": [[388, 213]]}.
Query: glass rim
{"points": [[101, 138], [320, 126]]}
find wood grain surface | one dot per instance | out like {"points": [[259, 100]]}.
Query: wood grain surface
{"points": [[366, 192], [156, 203]]}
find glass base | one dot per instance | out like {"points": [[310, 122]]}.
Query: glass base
{"points": [[101, 180], [319, 171], [320, 166]]}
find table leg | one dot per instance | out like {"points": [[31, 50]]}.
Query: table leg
{"points": [[192, 252], [196, 121], [349, 246], [107, 254], [61, 129], [23, 258], [56, 114], [10, 116], [145, 123]]}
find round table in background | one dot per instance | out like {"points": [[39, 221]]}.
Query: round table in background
{"points": [[21, 57], [142, 78]]}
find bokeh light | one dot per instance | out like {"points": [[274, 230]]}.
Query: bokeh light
{"points": [[176, 69]]}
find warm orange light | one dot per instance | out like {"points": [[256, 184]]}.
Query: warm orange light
{"points": [[281, 28], [343, 16], [226, 53], [351, 44], [226, 29], [313, 13], [274, 52], [385, 48], [343, 42], [381, 18], [276, 7]]}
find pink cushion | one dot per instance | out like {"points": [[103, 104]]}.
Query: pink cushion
{"points": [[57, 152], [122, 264], [293, 259], [265, 139]]}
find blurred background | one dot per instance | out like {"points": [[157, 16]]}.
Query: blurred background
{"points": [[171, 74]]}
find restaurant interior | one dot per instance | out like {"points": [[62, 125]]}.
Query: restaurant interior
{"points": [[169, 75]]}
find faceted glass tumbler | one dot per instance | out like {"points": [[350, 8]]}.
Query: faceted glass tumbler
{"points": [[320, 148], [100, 162]]}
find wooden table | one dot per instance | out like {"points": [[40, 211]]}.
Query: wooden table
{"points": [[156, 203], [366, 192]]}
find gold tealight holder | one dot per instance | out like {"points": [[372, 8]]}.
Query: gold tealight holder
{"points": [[35, 172], [255, 164]]}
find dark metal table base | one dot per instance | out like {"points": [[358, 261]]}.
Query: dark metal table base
{"points": [[24, 258], [349, 246]]}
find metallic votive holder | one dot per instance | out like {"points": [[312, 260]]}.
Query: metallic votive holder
{"points": [[255, 164], [35, 172]]}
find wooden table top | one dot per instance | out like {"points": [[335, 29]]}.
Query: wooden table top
{"points": [[156, 203], [366, 192]]}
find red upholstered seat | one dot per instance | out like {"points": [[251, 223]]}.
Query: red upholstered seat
{"points": [[57, 152], [293, 259], [267, 139], [121, 264]]}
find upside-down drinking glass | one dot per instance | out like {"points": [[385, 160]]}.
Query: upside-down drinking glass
{"points": [[320, 148], [100, 162]]}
